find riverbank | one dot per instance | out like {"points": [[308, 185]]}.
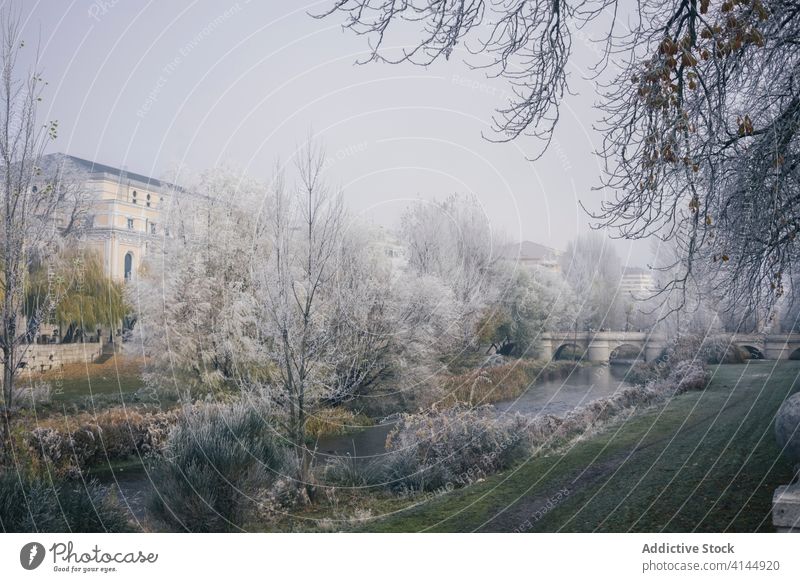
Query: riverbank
{"points": [[702, 461], [560, 388], [530, 387]]}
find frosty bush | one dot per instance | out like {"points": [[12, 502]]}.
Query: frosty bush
{"points": [[687, 375], [642, 373], [348, 471], [35, 394], [684, 376], [33, 505], [719, 350], [458, 446], [70, 445], [217, 460]]}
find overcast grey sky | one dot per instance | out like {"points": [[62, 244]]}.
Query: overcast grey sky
{"points": [[147, 85]]}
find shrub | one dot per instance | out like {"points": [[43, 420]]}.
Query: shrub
{"points": [[641, 373], [216, 460], [348, 471], [435, 449], [72, 444], [35, 505], [719, 350], [706, 350], [35, 393], [688, 375]]}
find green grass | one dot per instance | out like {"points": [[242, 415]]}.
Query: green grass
{"points": [[705, 461], [118, 375]]}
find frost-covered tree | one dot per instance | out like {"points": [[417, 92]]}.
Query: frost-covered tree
{"points": [[692, 310], [195, 299], [535, 301], [452, 240], [36, 209], [593, 270], [295, 292], [362, 323], [787, 313]]}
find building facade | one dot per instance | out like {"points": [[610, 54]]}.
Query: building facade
{"points": [[637, 283], [124, 215]]}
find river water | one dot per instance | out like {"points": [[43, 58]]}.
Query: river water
{"points": [[557, 397]]}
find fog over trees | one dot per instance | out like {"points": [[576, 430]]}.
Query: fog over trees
{"points": [[700, 105], [217, 352], [593, 269]]}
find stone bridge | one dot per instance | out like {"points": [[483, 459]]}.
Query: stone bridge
{"points": [[600, 346]]}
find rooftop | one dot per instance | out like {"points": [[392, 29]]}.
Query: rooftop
{"points": [[97, 168], [528, 251]]}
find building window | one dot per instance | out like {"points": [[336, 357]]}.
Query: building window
{"points": [[134, 197], [130, 224], [152, 228], [148, 200], [128, 266]]}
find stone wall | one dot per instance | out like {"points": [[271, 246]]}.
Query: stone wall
{"points": [[41, 358]]}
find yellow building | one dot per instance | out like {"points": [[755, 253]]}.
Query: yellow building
{"points": [[123, 218]]}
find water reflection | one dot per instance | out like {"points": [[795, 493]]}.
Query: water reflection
{"points": [[558, 397]]}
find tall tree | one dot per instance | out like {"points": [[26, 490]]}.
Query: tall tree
{"points": [[305, 230], [535, 301], [195, 302], [34, 207], [362, 324], [452, 240]]}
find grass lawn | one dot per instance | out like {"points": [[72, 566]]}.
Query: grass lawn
{"points": [[705, 461], [118, 375]]}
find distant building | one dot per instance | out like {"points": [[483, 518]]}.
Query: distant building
{"points": [[124, 214], [388, 245], [637, 282], [530, 255]]}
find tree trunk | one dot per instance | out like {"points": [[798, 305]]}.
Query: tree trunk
{"points": [[8, 400]]}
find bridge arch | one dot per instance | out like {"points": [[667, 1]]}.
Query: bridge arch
{"points": [[753, 352], [795, 355], [569, 351], [626, 353]]}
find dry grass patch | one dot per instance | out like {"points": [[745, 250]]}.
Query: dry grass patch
{"points": [[334, 421], [69, 444], [498, 383]]}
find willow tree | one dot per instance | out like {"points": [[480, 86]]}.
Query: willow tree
{"points": [[700, 102], [83, 297]]}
